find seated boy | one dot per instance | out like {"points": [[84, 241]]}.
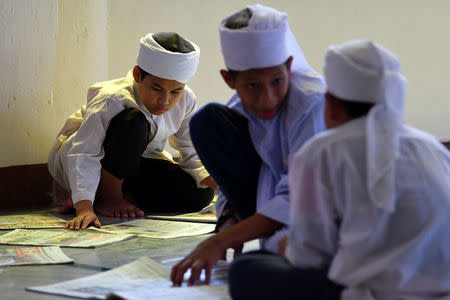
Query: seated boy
{"points": [[247, 145], [369, 198], [112, 149]]}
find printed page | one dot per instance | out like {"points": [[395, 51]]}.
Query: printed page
{"points": [[143, 277], [203, 292], [35, 255], [206, 217], [161, 229], [31, 221], [62, 238]]}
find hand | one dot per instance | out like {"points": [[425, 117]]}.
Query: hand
{"points": [[282, 243], [209, 182], [85, 217], [203, 257]]}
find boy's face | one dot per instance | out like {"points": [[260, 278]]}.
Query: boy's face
{"points": [[262, 91], [157, 94]]}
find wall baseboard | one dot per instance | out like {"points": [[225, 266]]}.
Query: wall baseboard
{"points": [[25, 187]]}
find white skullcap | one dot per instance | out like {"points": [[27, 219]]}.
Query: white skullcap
{"points": [[156, 60], [267, 41], [364, 71]]}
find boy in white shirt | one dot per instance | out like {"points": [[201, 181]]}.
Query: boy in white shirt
{"points": [[370, 197], [112, 149]]}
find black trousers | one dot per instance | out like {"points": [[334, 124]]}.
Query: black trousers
{"points": [[222, 141], [264, 275], [156, 185]]}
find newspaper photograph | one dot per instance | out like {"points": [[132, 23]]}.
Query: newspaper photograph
{"points": [[33, 256]]}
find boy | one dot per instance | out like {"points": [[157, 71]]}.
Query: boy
{"points": [[247, 145], [369, 197], [112, 149]]}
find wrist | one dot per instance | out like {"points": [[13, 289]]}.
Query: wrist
{"points": [[83, 205], [224, 217]]}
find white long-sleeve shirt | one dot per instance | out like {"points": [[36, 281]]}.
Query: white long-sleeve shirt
{"points": [[75, 158], [276, 140], [373, 253]]}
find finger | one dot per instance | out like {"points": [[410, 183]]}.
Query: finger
{"points": [[224, 255], [67, 225], [97, 223], [180, 272], [196, 270], [85, 223], [174, 272], [207, 275], [76, 224]]}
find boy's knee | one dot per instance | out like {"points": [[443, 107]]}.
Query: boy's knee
{"points": [[132, 120], [206, 115], [238, 276]]}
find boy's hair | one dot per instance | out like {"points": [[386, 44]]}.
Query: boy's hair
{"points": [[239, 19], [172, 41], [355, 109]]}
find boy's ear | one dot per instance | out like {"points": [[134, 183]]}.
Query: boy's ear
{"points": [[289, 64], [137, 74], [335, 113], [227, 78]]}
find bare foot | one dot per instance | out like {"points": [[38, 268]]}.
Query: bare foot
{"points": [[118, 209], [67, 208], [62, 198], [110, 200]]}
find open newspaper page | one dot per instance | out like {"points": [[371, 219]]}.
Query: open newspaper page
{"points": [[62, 238], [34, 255], [161, 229], [31, 221], [206, 215], [141, 279]]}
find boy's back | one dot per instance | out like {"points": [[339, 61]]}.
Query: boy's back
{"points": [[398, 253]]}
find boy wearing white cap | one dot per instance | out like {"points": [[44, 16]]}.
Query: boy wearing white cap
{"points": [[247, 145], [112, 149], [370, 198]]}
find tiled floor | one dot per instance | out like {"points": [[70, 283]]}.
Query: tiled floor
{"points": [[14, 279]]}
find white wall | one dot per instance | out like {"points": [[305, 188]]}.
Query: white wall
{"points": [[51, 51], [27, 60]]}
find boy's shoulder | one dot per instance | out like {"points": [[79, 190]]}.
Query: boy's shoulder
{"points": [[116, 89], [335, 140]]}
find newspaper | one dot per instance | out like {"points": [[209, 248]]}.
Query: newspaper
{"points": [[34, 256], [161, 229], [31, 221], [206, 215], [62, 238], [141, 279]]}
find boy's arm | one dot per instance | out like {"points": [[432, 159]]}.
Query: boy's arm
{"points": [[209, 251], [85, 216]]}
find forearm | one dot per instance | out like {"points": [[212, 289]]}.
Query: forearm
{"points": [[256, 226]]}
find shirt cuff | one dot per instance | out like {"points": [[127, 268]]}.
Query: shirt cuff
{"points": [[83, 195], [276, 209]]}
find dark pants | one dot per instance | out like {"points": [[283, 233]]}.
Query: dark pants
{"points": [[222, 141], [156, 185], [264, 275]]}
